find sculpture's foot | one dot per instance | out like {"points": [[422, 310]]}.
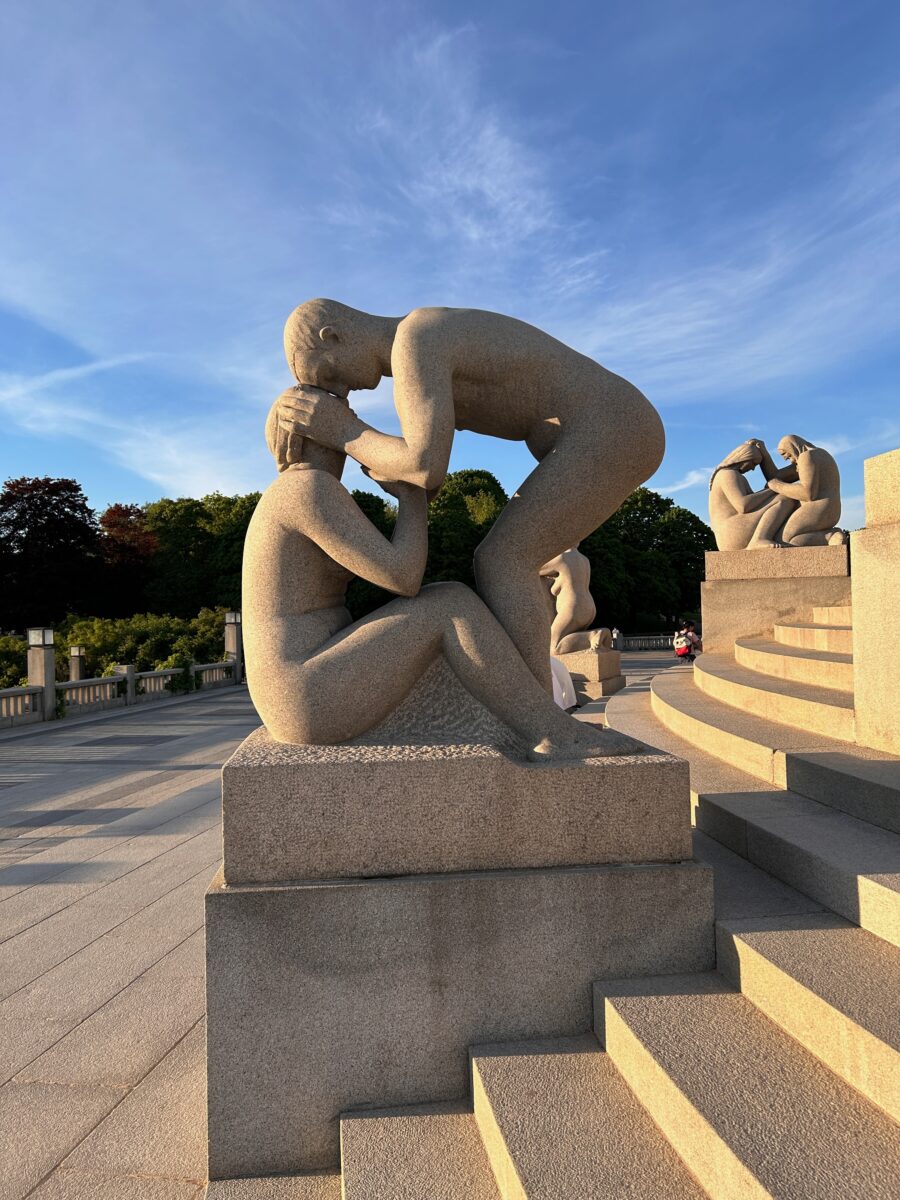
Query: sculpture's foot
{"points": [[836, 537], [592, 743]]}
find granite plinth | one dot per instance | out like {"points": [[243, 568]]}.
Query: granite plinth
{"points": [[748, 592], [882, 489], [787, 562], [325, 997], [327, 812], [587, 691], [593, 665]]}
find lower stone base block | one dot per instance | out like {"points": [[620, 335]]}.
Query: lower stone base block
{"points": [[586, 690], [329, 996]]}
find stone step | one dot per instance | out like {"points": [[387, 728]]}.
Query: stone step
{"points": [[836, 638], [857, 780], [833, 615], [751, 1113], [814, 709], [819, 668], [831, 986], [427, 1151], [850, 866], [320, 1186], [558, 1120]]}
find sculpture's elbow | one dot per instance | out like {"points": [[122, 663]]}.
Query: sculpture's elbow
{"points": [[409, 587]]}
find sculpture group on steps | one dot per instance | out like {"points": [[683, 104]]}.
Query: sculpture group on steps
{"points": [[315, 675], [799, 506]]}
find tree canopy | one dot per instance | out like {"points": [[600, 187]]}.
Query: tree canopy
{"points": [[176, 557]]}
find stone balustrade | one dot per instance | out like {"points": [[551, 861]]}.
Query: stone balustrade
{"points": [[20, 705], [653, 641], [46, 699]]}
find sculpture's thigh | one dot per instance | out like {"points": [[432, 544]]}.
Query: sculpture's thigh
{"points": [[815, 516]]}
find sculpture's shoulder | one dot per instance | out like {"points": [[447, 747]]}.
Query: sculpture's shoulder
{"points": [[296, 491]]}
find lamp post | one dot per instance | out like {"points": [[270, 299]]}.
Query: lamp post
{"points": [[234, 644], [42, 667], [76, 663]]}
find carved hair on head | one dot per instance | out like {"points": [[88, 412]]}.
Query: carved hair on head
{"points": [[303, 328], [284, 446], [745, 455], [796, 444]]}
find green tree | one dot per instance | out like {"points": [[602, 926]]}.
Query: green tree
{"points": [[13, 661], [226, 521], [49, 549], [179, 580], [128, 547]]}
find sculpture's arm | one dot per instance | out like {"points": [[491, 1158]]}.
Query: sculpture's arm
{"points": [[334, 521], [739, 495], [805, 485], [423, 397]]}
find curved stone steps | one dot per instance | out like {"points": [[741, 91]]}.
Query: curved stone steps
{"points": [[835, 638], [818, 668], [814, 709], [841, 614], [730, 751], [750, 1112]]}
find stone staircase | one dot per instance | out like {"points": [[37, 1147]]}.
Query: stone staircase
{"points": [[777, 1075]]}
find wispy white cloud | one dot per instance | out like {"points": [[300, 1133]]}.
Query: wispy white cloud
{"points": [[691, 480]]}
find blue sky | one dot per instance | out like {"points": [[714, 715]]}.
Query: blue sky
{"points": [[705, 196]]}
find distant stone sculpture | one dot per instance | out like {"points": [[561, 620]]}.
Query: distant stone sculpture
{"points": [[814, 481], [318, 677], [587, 654], [595, 436], [799, 506], [742, 519], [569, 579]]}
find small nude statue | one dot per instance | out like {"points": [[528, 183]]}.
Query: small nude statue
{"points": [[813, 479], [318, 677], [740, 518], [569, 576], [595, 436]]}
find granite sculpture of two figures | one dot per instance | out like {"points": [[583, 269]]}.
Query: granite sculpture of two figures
{"points": [[317, 676], [421, 851]]}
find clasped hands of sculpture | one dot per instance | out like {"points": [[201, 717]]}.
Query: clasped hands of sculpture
{"points": [[315, 675], [799, 506]]}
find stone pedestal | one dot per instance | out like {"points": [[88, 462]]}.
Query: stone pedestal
{"points": [[386, 904], [876, 603], [747, 592], [595, 673]]}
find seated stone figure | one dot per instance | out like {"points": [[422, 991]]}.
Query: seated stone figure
{"points": [[740, 518], [812, 478], [569, 577], [315, 675]]}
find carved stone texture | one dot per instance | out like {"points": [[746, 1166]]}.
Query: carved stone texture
{"points": [[799, 506], [318, 677]]}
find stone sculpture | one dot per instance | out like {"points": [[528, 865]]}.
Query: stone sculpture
{"points": [[318, 677], [799, 506], [742, 519], [814, 481], [569, 579], [595, 436], [587, 654]]}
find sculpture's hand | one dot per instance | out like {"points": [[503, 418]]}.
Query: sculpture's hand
{"points": [[317, 414]]}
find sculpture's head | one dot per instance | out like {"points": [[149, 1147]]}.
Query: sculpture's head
{"points": [[293, 449], [791, 447], [330, 345], [744, 458]]}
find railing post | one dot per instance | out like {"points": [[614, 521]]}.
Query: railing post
{"points": [[234, 645], [76, 663], [127, 669], [42, 668]]}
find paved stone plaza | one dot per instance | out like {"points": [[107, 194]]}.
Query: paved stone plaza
{"points": [[110, 836]]}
